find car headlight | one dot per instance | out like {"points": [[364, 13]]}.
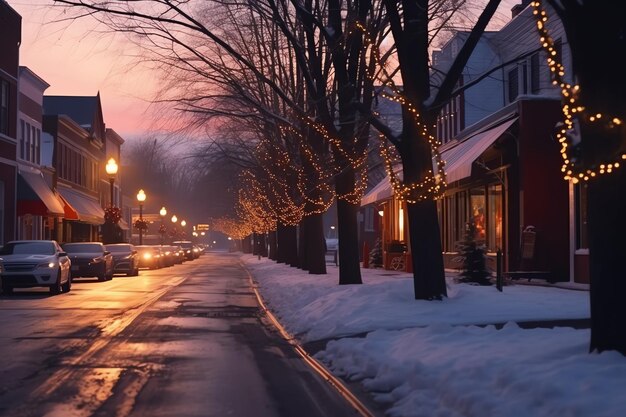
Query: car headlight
{"points": [[147, 256], [96, 260], [48, 265]]}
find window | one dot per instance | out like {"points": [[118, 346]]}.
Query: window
{"points": [[477, 204], [513, 85], [494, 217], [22, 138], [27, 146], [4, 107], [580, 196], [33, 144], [368, 219], [38, 147], [534, 73]]}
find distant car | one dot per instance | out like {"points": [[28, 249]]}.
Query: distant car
{"points": [[125, 258], [90, 259], [168, 256], [149, 256], [179, 254], [188, 248], [35, 263]]}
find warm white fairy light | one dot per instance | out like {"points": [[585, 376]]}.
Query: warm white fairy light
{"points": [[432, 185], [571, 108]]}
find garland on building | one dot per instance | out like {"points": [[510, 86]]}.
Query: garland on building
{"points": [[112, 215]]}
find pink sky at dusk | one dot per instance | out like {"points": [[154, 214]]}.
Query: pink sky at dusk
{"points": [[76, 59]]}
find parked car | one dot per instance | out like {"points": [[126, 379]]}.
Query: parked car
{"points": [[149, 256], [167, 255], [35, 263], [188, 248], [90, 259], [179, 254], [125, 258]]}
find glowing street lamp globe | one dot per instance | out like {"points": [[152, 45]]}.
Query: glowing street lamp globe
{"points": [[162, 212], [111, 167]]}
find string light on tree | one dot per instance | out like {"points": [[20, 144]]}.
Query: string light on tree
{"points": [[574, 113]]}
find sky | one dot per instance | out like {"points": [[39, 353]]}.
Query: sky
{"points": [[78, 59], [446, 358]]}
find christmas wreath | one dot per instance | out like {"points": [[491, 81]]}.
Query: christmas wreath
{"points": [[112, 215], [140, 225]]}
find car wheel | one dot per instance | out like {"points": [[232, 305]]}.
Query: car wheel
{"points": [[7, 289], [103, 275], [68, 284], [56, 287]]}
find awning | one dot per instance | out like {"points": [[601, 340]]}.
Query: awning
{"points": [[35, 197], [381, 191], [88, 208], [123, 224], [460, 157], [70, 212]]}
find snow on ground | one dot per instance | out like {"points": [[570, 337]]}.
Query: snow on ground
{"points": [[429, 358]]}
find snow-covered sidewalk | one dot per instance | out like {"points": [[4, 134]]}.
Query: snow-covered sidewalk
{"points": [[437, 358]]}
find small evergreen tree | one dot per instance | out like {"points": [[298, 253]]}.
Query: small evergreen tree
{"points": [[474, 258], [376, 255]]}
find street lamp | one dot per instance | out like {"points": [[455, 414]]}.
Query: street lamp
{"points": [[111, 169], [141, 197], [162, 213], [183, 223], [173, 233]]}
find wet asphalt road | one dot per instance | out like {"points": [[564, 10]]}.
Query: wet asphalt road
{"points": [[184, 341]]}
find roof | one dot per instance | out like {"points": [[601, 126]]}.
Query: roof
{"points": [[81, 109]]}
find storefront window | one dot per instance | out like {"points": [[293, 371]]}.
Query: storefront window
{"points": [[494, 218], [477, 204]]}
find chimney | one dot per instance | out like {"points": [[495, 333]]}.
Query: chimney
{"points": [[515, 10]]}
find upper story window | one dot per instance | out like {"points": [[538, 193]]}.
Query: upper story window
{"points": [[450, 121], [524, 78], [4, 107], [30, 142]]}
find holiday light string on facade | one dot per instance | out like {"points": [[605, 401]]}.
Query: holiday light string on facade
{"points": [[572, 108], [433, 185]]}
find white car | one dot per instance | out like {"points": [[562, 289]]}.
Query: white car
{"points": [[35, 263]]}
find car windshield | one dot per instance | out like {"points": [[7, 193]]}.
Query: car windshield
{"points": [[30, 248], [118, 248], [82, 247]]}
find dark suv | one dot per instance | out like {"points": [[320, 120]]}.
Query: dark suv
{"points": [[125, 258], [90, 259]]}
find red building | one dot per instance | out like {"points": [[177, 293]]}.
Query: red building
{"points": [[10, 38]]}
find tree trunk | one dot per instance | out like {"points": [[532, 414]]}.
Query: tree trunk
{"points": [[288, 245], [347, 232], [607, 246], [281, 244], [429, 281], [272, 243], [246, 244], [316, 245], [303, 244]]}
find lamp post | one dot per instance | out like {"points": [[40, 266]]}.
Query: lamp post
{"points": [[141, 197], [183, 234], [111, 169], [174, 220], [162, 213], [111, 214]]}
